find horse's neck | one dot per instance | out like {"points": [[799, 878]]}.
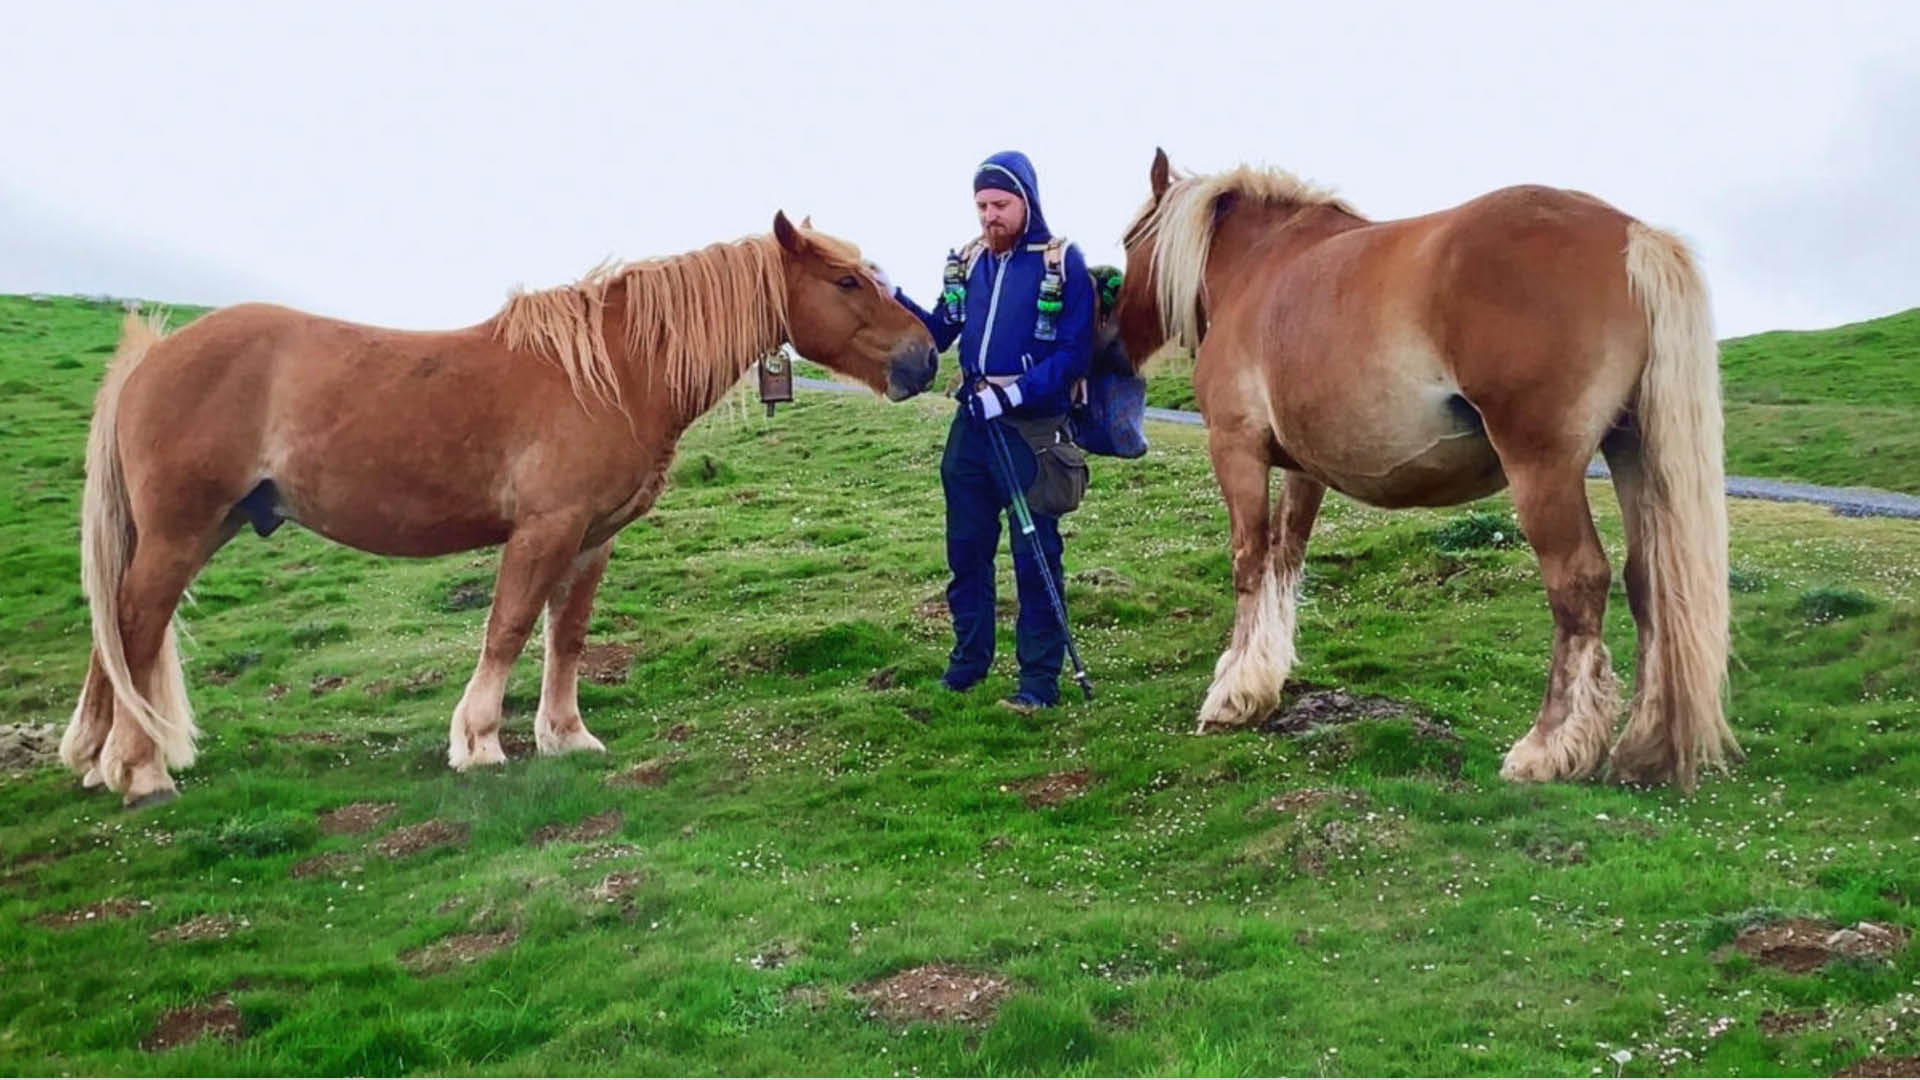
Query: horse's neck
{"points": [[643, 376], [1272, 233]]}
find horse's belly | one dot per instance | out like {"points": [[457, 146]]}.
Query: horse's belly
{"points": [[1428, 451]]}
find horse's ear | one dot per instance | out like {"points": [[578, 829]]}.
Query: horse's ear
{"points": [[789, 237], [1161, 174], [807, 222]]}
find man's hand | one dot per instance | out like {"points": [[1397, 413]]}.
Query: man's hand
{"points": [[880, 276], [991, 401]]}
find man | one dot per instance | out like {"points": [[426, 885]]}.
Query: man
{"points": [[1022, 304]]}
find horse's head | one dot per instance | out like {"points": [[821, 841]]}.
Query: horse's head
{"points": [[1136, 318], [838, 316]]}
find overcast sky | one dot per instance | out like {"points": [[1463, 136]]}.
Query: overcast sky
{"points": [[407, 164]]}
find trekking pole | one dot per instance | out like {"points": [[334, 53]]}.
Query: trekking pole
{"points": [[1025, 519]]}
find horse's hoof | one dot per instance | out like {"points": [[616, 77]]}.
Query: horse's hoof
{"points": [[93, 779], [156, 797]]}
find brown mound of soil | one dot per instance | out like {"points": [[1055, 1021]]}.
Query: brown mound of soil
{"points": [[199, 928], [1802, 945], [28, 746], [455, 951], [92, 913], [1324, 707], [606, 664], [597, 827], [1056, 788], [1883, 1066], [617, 886], [646, 774], [217, 1017], [326, 684], [417, 838], [937, 993], [355, 818], [332, 864], [1787, 1023]]}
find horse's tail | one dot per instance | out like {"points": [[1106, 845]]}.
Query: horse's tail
{"points": [[107, 541], [1678, 723]]}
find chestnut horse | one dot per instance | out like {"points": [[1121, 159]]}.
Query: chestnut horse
{"points": [[1437, 359], [546, 428]]}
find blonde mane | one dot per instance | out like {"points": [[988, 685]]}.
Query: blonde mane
{"points": [[702, 317], [1181, 226]]}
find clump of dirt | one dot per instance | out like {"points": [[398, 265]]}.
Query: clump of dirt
{"points": [[24, 747], [617, 886], [1053, 789], [935, 992], [355, 818], [93, 913], [774, 956], [326, 684], [1101, 577], [680, 733], [651, 773], [1787, 1023], [597, 827], [881, 680], [276, 691], [456, 950], [332, 864], [807, 996], [217, 1017], [412, 839], [1802, 945], [1304, 799], [199, 928], [933, 609], [604, 853], [515, 744], [1879, 1065], [606, 664], [1321, 707]]}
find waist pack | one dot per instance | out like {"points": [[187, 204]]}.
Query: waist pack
{"points": [[1060, 474]]}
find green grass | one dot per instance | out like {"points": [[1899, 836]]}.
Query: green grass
{"points": [[1839, 406], [1431, 919]]}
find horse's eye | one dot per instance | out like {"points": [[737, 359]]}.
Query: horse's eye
{"points": [[849, 282]]}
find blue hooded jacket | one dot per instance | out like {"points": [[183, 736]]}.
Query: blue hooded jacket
{"points": [[1003, 291]]}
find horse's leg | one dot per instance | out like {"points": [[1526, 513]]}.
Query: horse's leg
{"points": [[537, 556], [1569, 737], [162, 567], [1248, 675], [1622, 447], [557, 728], [92, 719]]}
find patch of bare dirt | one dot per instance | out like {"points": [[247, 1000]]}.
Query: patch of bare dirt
{"points": [[356, 818], [1802, 945], [276, 691], [935, 992], [93, 913], [412, 839], [597, 827], [774, 957], [807, 996], [651, 773], [200, 928], [1304, 799], [318, 738], [1100, 577], [933, 609], [24, 747], [881, 680], [606, 664], [326, 684], [1321, 707], [604, 853], [1054, 789], [1880, 1065], [332, 864], [680, 733], [617, 886], [217, 1017], [1788, 1023], [518, 744], [456, 950]]}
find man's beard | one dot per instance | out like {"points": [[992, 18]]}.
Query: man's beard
{"points": [[1001, 242]]}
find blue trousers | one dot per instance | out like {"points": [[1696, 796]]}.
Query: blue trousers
{"points": [[976, 495]]}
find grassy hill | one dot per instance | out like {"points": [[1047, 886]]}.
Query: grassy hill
{"points": [[790, 813], [1838, 407]]}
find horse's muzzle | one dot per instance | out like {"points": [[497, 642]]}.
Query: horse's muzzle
{"points": [[910, 372]]}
